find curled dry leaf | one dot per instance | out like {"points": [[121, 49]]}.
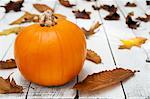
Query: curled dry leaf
{"points": [[66, 3], [82, 14], [15, 30], [15, 6], [112, 16], [92, 29], [27, 17], [131, 24], [128, 44], [42, 7], [8, 64], [111, 9], [7, 86], [128, 4], [103, 79], [96, 7], [147, 2], [92, 56], [144, 19]]}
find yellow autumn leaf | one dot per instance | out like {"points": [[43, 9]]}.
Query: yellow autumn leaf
{"points": [[128, 44], [14, 30]]}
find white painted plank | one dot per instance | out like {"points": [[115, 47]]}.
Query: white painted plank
{"points": [[138, 86], [99, 44], [65, 91]]}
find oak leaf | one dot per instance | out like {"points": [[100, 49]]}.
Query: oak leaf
{"points": [[42, 7], [112, 16], [15, 6], [15, 30], [109, 8], [131, 23], [66, 3], [144, 19], [92, 56], [92, 29], [128, 4], [27, 17], [128, 44], [82, 14], [7, 86], [8, 64], [103, 79]]}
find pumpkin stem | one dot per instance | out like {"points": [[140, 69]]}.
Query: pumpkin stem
{"points": [[48, 19]]}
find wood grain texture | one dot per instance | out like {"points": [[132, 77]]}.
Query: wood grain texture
{"points": [[133, 59], [105, 42], [97, 42]]}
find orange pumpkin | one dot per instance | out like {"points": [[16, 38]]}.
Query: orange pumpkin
{"points": [[50, 56]]}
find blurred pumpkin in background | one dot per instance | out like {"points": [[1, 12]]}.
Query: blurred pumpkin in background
{"points": [[51, 53]]}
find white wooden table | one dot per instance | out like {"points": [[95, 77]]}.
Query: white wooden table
{"points": [[105, 42]]}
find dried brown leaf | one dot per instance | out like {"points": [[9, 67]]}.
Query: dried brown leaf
{"points": [[144, 19], [8, 64], [27, 17], [15, 6], [82, 14], [7, 86], [103, 79], [92, 29], [66, 3], [131, 24], [128, 44], [111, 9], [92, 56], [15, 30], [112, 16], [128, 4], [42, 7]]}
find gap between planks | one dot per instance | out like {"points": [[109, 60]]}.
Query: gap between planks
{"points": [[110, 47]]}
